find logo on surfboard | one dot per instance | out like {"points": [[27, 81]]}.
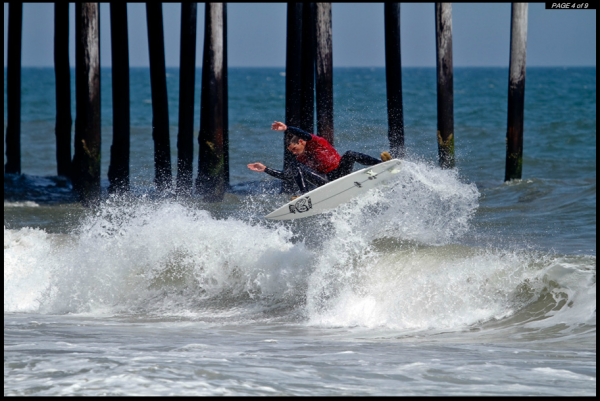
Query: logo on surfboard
{"points": [[302, 205]]}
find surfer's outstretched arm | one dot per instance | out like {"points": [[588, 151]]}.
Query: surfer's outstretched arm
{"points": [[261, 168], [276, 173], [300, 133]]}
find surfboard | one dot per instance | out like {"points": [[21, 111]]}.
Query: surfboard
{"points": [[334, 193]]}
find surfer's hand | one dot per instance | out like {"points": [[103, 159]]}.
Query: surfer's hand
{"points": [[257, 167], [278, 126]]}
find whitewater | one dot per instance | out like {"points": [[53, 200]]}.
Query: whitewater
{"points": [[397, 292]]}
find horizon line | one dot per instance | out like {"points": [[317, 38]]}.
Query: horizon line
{"points": [[342, 66]]}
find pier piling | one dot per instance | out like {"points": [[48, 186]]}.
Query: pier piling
{"points": [[225, 101], [62, 75], [445, 85], [307, 97], [118, 171], [393, 76], [516, 91], [13, 89], [293, 80], [86, 160], [187, 80], [324, 72], [212, 177], [160, 105], [293, 76]]}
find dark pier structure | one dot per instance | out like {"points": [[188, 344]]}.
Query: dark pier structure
{"points": [[393, 76], [445, 84], [118, 172], [213, 177], [13, 89], [62, 73], [308, 93], [86, 161], [516, 91], [187, 81], [160, 104]]}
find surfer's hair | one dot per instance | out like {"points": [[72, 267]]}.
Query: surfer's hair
{"points": [[293, 139]]}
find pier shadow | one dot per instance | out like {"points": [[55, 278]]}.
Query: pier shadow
{"points": [[42, 190], [59, 190]]}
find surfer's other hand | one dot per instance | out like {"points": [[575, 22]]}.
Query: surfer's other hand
{"points": [[257, 167], [278, 126]]}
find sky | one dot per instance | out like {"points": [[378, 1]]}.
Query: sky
{"points": [[257, 35]]}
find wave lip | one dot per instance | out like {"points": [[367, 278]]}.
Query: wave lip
{"points": [[512, 294]]}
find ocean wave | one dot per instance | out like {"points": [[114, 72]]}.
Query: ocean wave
{"points": [[167, 259]]}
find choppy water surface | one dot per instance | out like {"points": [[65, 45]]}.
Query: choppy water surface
{"points": [[439, 283]]}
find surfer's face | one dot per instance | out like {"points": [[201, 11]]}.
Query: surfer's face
{"points": [[297, 148]]}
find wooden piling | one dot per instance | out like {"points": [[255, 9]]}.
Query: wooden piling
{"points": [[516, 91], [307, 98], [187, 81], [225, 101], [62, 74], [293, 77], [393, 76], [160, 105], [293, 81], [211, 180], [324, 72], [445, 85], [86, 161], [118, 171], [13, 89]]}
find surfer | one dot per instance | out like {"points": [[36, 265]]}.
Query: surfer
{"points": [[316, 161]]}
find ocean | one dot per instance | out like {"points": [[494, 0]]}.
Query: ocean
{"points": [[443, 282]]}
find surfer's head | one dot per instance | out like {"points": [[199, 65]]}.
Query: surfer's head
{"points": [[296, 145]]}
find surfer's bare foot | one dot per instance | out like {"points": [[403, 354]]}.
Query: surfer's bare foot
{"points": [[294, 197], [385, 156]]}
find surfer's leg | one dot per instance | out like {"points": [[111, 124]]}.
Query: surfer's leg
{"points": [[347, 163], [362, 158]]}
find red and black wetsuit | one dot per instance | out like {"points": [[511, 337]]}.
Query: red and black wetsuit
{"points": [[318, 154], [319, 163]]}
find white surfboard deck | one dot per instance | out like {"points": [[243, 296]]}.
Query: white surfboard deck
{"points": [[334, 193]]}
